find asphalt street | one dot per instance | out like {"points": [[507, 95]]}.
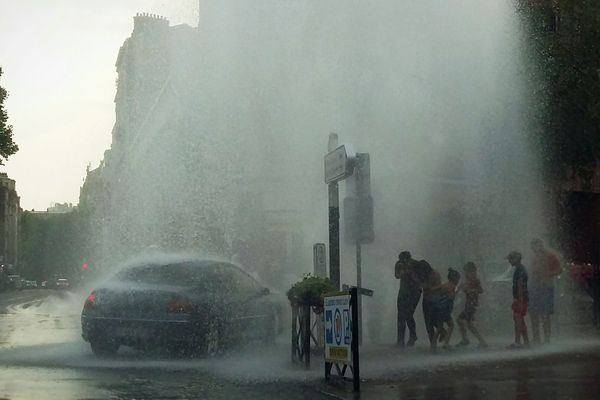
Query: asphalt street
{"points": [[42, 356]]}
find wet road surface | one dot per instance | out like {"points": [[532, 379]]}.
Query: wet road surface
{"points": [[42, 356]]}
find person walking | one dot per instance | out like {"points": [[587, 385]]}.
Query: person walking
{"points": [[409, 295], [520, 300], [544, 268], [441, 313], [472, 289], [431, 282]]}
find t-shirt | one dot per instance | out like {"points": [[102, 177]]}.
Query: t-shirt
{"points": [[520, 274], [544, 268]]}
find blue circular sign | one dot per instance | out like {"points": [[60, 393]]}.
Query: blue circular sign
{"points": [[338, 327]]}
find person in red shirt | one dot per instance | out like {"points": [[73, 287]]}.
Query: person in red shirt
{"points": [[544, 268]]}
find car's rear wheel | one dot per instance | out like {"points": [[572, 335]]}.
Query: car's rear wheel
{"points": [[102, 346]]}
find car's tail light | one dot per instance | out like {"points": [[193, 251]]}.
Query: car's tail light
{"points": [[179, 305], [90, 302]]}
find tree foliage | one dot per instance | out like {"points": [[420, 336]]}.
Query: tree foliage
{"points": [[7, 146], [564, 38], [52, 245]]}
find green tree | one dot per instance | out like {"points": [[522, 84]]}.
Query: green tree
{"points": [[7, 146], [52, 245]]}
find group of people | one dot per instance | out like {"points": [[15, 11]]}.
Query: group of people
{"points": [[418, 279]]}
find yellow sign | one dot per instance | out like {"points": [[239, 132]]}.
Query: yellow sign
{"points": [[338, 354]]}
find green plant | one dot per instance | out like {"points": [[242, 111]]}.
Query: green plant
{"points": [[310, 290]]}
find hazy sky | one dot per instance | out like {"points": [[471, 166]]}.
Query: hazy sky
{"points": [[58, 60]]}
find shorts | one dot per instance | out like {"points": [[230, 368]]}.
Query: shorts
{"points": [[468, 314], [441, 311], [519, 307], [541, 300]]}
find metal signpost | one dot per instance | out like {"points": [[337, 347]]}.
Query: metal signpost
{"points": [[320, 270], [340, 163], [342, 311], [338, 166], [358, 216], [341, 336]]}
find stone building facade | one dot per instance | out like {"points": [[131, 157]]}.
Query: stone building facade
{"points": [[9, 220]]}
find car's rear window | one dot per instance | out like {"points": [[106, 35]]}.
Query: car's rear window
{"points": [[184, 274]]}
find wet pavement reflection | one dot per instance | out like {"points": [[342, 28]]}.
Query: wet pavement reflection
{"points": [[535, 380]]}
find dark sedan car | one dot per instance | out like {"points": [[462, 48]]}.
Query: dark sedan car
{"points": [[190, 306]]}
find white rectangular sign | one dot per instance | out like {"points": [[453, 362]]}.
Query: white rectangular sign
{"points": [[338, 329], [337, 166]]}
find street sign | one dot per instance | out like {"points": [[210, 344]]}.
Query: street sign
{"points": [[338, 166], [338, 329], [342, 336], [360, 290], [319, 260], [358, 220]]}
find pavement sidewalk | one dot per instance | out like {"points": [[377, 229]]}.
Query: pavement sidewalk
{"points": [[391, 373]]}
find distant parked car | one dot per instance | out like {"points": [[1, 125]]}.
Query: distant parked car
{"points": [[14, 281], [29, 284], [62, 283], [44, 285], [185, 306]]}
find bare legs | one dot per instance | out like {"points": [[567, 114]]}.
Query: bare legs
{"points": [[443, 334], [535, 327], [463, 326], [448, 333], [547, 328], [520, 330], [546, 323]]}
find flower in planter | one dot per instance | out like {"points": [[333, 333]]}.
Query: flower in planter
{"points": [[310, 291]]}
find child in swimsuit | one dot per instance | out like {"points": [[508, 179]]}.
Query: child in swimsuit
{"points": [[442, 309]]}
